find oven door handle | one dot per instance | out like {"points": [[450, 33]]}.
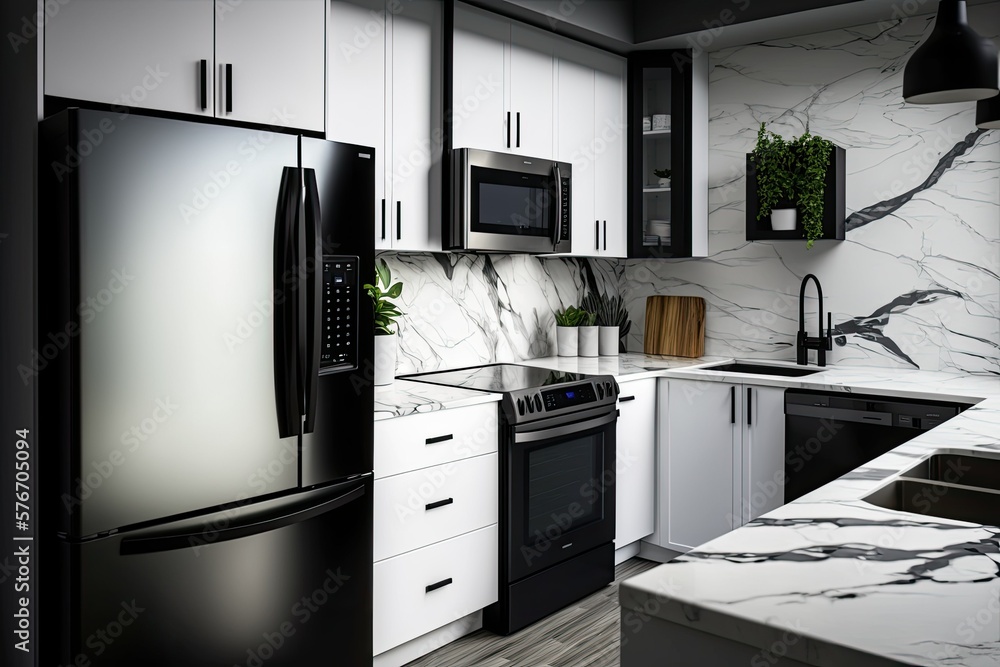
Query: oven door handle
{"points": [[567, 429]]}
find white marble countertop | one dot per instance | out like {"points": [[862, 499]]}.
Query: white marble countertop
{"points": [[404, 397], [831, 580]]}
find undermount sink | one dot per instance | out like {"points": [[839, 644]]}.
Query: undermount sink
{"points": [[761, 369], [962, 487]]}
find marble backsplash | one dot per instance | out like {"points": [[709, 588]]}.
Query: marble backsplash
{"points": [[462, 309], [917, 281]]}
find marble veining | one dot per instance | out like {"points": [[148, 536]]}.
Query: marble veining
{"points": [[466, 310], [835, 580], [403, 397], [917, 281]]}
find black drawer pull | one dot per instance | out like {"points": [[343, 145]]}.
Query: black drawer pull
{"points": [[440, 438], [204, 85], [440, 584], [439, 503], [623, 399], [229, 87]]}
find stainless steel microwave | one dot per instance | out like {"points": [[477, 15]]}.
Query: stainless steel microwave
{"points": [[509, 203]]}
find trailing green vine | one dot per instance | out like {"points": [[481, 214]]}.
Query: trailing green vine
{"points": [[792, 171]]}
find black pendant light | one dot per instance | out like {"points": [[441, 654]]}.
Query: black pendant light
{"points": [[988, 113], [955, 64]]}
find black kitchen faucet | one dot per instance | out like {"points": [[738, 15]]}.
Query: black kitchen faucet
{"points": [[820, 343]]}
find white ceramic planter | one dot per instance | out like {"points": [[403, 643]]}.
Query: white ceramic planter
{"points": [[783, 219], [589, 341], [385, 359], [567, 341], [608, 346]]}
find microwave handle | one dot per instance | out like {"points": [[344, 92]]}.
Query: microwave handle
{"points": [[557, 234]]}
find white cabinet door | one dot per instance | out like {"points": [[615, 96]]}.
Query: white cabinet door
{"points": [[635, 465], [356, 79], [277, 52], [610, 148], [531, 84], [763, 450], [141, 53], [701, 460], [480, 48], [415, 97], [574, 137]]}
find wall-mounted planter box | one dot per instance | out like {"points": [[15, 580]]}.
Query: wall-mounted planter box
{"points": [[834, 211]]}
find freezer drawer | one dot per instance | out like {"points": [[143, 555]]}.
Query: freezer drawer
{"points": [[281, 583]]}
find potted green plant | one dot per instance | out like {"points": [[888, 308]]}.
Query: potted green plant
{"points": [[567, 335], [612, 321], [588, 334], [791, 179], [386, 313], [664, 176]]}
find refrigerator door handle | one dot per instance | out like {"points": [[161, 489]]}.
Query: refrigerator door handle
{"points": [[287, 393], [314, 296], [211, 534]]}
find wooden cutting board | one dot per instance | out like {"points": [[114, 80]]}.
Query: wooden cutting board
{"points": [[675, 325]]}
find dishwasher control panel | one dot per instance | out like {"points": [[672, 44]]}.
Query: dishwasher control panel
{"points": [[339, 314]]}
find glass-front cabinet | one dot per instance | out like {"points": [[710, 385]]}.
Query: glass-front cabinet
{"points": [[664, 98]]}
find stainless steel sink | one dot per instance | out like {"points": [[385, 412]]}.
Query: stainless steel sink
{"points": [[761, 369], [959, 486]]}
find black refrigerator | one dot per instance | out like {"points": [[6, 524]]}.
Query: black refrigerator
{"points": [[205, 394]]}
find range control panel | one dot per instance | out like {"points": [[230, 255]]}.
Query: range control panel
{"points": [[526, 405], [339, 339]]}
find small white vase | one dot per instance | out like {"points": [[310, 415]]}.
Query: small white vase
{"points": [[589, 341], [664, 182], [385, 359], [783, 219], [609, 341], [567, 341]]}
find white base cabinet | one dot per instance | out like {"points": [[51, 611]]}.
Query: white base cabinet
{"points": [[721, 453], [635, 463]]}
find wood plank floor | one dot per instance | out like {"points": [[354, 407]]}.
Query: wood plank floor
{"points": [[585, 634]]}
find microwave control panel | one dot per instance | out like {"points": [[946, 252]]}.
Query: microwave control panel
{"points": [[339, 314], [564, 221]]}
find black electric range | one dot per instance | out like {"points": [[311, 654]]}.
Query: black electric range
{"points": [[557, 499]]}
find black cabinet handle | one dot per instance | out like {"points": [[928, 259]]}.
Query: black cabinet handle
{"points": [[204, 85], [605, 234], [383, 220], [624, 399], [597, 234], [508, 129], [439, 503], [440, 438], [749, 406], [732, 405], [518, 129], [399, 220], [440, 584], [229, 88]]}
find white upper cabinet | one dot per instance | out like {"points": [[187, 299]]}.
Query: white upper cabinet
{"points": [[504, 78], [481, 40], [574, 138], [610, 149], [414, 135], [274, 50], [177, 56], [531, 83], [356, 75], [142, 53]]}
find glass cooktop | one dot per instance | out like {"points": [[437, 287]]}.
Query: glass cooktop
{"points": [[497, 377]]}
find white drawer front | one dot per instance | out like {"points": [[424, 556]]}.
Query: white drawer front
{"points": [[404, 609], [403, 521], [429, 439]]}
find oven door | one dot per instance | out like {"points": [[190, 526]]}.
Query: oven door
{"points": [[560, 492], [510, 203]]}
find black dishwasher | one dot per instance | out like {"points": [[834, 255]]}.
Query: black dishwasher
{"points": [[829, 435]]}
